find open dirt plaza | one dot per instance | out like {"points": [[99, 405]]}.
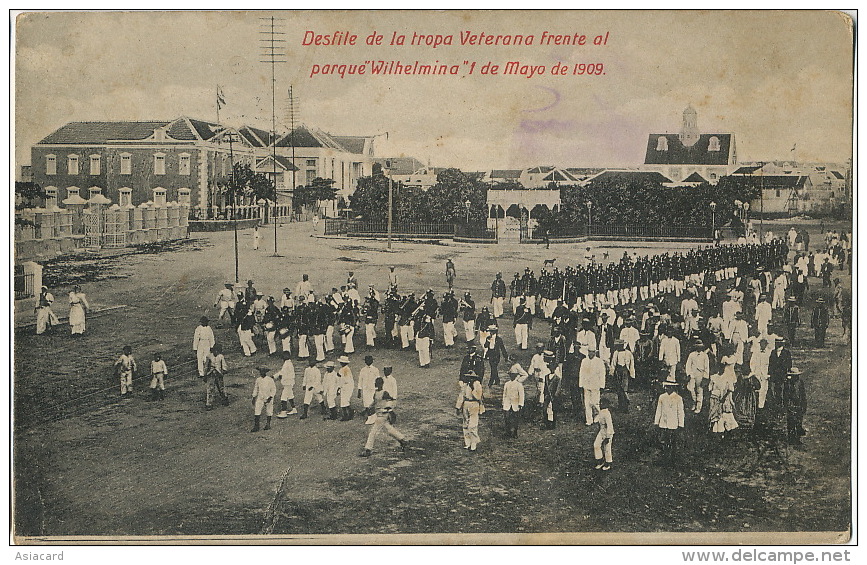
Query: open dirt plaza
{"points": [[88, 463]]}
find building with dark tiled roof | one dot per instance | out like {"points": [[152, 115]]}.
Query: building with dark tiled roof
{"points": [[631, 176], [398, 165], [341, 158], [679, 155], [128, 161]]}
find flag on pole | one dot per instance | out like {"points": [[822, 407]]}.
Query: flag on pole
{"points": [[793, 146], [221, 100]]}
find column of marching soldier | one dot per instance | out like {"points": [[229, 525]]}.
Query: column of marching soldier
{"points": [[600, 338]]}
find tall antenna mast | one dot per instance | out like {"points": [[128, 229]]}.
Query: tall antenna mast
{"points": [[272, 52], [292, 111]]}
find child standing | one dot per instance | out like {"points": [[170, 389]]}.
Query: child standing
{"points": [[158, 373], [125, 368], [605, 436]]}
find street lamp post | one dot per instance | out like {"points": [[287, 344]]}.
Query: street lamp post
{"points": [[746, 215], [467, 205], [589, 216], [713, 221]]}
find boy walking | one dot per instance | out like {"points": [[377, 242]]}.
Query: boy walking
{"points": [[264, 390], [312, 385], [158, 373], [383, 404], [287, 379], [215, 369], [125, 368], [513, 402], [605, 436]]}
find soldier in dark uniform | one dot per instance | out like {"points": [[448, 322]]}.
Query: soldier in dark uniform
{"points": [[390, 311], [370, 313], [449, 309], [474, 362], [820, 320]]}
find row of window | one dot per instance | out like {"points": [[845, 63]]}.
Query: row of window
{"points": [[72, 164], [52, 193], [662, 144]]}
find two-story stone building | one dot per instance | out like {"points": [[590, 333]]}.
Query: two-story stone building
{"points": [[129, 161]]}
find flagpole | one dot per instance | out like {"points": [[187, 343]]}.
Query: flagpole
{"points": [[218, 103]]}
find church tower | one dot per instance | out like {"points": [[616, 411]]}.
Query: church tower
{"points": [[689, 132]]}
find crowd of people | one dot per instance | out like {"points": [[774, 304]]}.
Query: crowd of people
{"points": [[708, 330]]}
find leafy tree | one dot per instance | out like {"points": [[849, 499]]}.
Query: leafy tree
{"points": [[629, 200], [446, 200], [442, 203], [370, 199], [318, 190], [27, 195], [246, 185]]}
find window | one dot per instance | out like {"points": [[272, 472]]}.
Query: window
{"points": [[94, 164], [310, 176], [50, 165], [159, 196], [778, 193], [51, 196], [662, 143], [125, 197], [712, 176], [713, 145], [72, 164], [125, 164], [311, 162], [159, 163], [184, 164]]}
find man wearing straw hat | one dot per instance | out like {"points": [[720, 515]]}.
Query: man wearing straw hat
{"points": [[669, 419], [513, 401], [469, 406], [345, 388]]}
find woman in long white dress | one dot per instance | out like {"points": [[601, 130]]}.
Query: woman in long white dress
{"points": [[78, 306], [721, 389]]}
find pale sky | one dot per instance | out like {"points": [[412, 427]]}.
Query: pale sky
{"points": [[775, 79]]}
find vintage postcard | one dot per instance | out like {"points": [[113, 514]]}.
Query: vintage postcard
{"points": [[432, 277]]}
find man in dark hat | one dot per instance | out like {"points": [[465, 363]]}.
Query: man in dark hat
{"points": [[795, 405], [623, 371], [468, 312], [820, 320], [472, 361], [493, 350], [449, 309], [792, 318], [498, 295]]}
